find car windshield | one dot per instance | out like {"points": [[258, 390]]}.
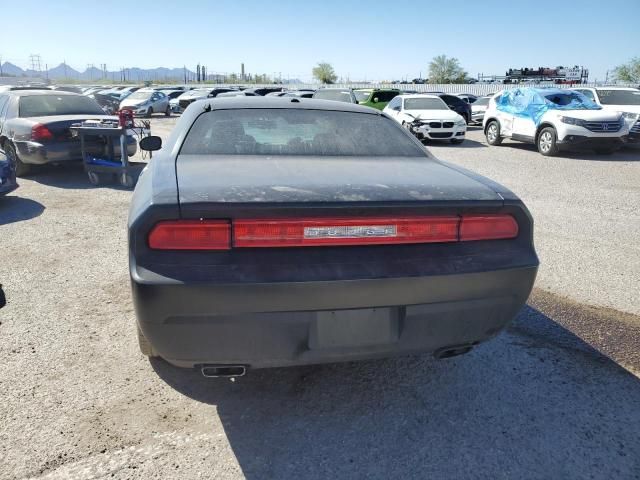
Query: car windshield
{"points": [[297, 132], [361, 96], [619, 97], [140, 95], [48, 105], [424, 104], [564, 99], [481, 101], [338, 95]]}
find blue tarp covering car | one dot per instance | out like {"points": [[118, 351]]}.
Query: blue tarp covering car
{"points": [[7, 176], [535, 102]]}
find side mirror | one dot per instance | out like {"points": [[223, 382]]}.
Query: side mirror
{"points": [[397, 109], [151, 143]]}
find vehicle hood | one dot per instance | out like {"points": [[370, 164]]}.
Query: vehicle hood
{"points": [[133, 102], [622, 108], [448, 115], [190, 95], [589, 115], [249, 179]]}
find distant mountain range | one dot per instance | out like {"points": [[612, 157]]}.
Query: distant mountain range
{"points": [[64, 71]]}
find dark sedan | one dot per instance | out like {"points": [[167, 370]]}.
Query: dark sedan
{"points": [[34, 127], [286, 231], [456, 104]]}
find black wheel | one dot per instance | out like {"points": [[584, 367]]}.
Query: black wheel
{"points": [[21, 169], [547, 142], [493, 133], [145, 347], [457, 141], [168, 111], [604, 151], [149, 112]]}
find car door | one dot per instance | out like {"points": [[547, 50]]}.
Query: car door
{"points": [[504, 118], [4, 103], [393, 108]]}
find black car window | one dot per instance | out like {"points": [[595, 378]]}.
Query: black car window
{"points": [[453, 101], [297, 132], [47, 105], [385, 96]]}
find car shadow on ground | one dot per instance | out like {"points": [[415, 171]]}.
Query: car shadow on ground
{"points": [[625, 154], [74, 177], [537, 402], [17, 209], [466, 144]]}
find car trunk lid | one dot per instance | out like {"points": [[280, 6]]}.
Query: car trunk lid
{"points": [[263, 180]]}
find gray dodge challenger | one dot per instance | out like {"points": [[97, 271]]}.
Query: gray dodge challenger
{"points": [[283, 231]]}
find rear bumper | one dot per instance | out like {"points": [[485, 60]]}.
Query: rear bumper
{"points": [[296, 323], [38, 154]]}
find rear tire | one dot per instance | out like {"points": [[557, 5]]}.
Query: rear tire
{"points": [[145, 347], [21, 169], [492, 133], [547, 142]]}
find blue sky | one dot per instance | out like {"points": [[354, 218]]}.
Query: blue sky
{"points": [[363, 40]]}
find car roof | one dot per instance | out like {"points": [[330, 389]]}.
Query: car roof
{"points": [[230, 103], [632, 89], [24, 93], [420, 95]]}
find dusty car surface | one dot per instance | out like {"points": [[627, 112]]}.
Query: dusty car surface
{"points": [[278, 231]]}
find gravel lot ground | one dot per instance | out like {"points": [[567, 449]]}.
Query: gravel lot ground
{"points": [[556, 396]]}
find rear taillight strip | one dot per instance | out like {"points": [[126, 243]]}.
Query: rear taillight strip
{"points": [[308, 232]]}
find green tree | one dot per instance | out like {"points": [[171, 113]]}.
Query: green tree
{"points": [[628, 72], [443, 69], [324, 73]]}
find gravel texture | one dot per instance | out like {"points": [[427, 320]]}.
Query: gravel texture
{"points": [[556, 396]]}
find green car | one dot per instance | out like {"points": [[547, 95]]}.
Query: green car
{"points": [[375, 97]]}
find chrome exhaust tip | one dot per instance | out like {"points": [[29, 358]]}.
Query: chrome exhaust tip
{"points": [[228, 371]]}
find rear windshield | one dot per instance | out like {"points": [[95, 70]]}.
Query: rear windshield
{"points": [[361, 96], [296, 132], [48, 105], [619, 97], [340, 96], [424, 104]]}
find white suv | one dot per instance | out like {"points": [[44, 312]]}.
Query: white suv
{"points": [[553, 119], [625, 100]]}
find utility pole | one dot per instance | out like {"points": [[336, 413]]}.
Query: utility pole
{"points": [[35, 63]]}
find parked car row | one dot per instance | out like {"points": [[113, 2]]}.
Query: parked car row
{"points": [[35, 130]]}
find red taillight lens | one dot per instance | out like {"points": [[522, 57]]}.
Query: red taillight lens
{"points": [[39, 133], [191, 235], [340, 231], [487, 227], [307, 232]]}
